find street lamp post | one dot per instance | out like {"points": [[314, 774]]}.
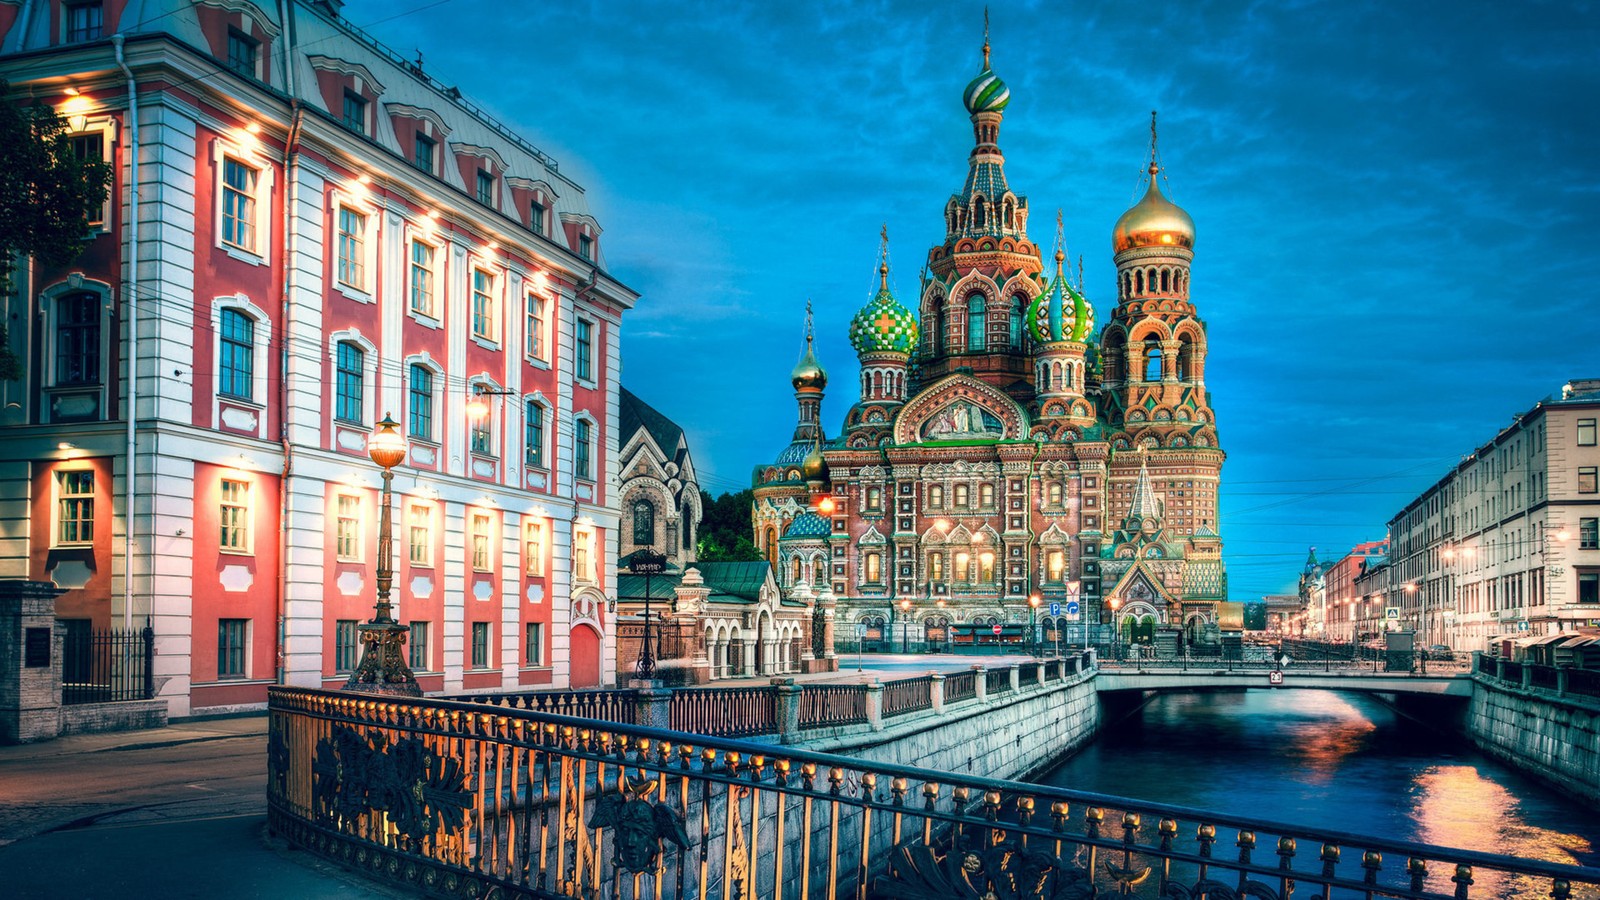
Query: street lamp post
{"points": [[905, 626], [646, 562], [383, 668], [1033, 634], [1116, 629]]}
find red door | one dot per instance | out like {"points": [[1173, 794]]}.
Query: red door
{"points": [[585, 657]]}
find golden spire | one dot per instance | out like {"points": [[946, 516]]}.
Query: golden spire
{"points": [[883, 257], [986, 38], [808, 323], [1155, 161], [1061, 252]]}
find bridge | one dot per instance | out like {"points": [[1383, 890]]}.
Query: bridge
{"points": [[1191, 677], [575, 795]]}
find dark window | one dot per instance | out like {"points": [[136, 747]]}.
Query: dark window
{"points": [[78, 340], [344, 645], [231, 648], [419, 647], [533, 650], [480, 645], [485, 188], [355, 111], [1589, 587], [238, 355], [1014, 324], [481, 436], [1589, 534], [585, 343], [534, 435], [420, 396], [586, 246], [536, 218], [422, 153], [644, 523], [243, 52], [84, 22], [349, 382], [91, 147], [582, 463]]}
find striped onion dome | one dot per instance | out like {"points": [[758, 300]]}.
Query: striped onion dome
{"points": [[1061, 313]]}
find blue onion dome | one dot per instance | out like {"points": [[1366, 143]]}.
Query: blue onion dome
{"points": [[1061, 313], [883, 325], [1154, 221], [814, 467], [808, 525], [808, 374]]}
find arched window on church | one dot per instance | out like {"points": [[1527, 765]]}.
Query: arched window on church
{"points": [[797, 573], [976, 313], [978, 214], [1166, 274], [1152, 360], [644, 523], [1185, 359], [1138, 282], [1014, 324], [688, 528], [938, 330]]}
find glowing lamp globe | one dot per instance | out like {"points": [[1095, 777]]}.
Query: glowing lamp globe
{"points": [[387, 446]]}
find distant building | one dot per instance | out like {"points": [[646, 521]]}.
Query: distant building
{"points": [[657, 483], [1002, 448], [1345, 603], [325, 235], [1507, 543]]}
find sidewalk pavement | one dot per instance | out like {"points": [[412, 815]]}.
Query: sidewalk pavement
{"points": [[186, 731]]}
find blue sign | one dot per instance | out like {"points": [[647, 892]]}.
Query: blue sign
{"points": [[1055, 608], [1072, 609]]}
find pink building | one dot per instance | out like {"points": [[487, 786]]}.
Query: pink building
{"points": [[326, 235]]}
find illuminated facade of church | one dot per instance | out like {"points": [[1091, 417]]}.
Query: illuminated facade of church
{"points": [[1005, 458]]}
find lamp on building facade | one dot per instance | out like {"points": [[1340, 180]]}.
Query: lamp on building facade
{"points": [[383, 668]]}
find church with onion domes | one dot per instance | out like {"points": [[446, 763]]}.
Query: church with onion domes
{"points": [[1009, 475]]}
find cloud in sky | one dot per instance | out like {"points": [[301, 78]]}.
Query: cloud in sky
{"points": [[1395, 204]]}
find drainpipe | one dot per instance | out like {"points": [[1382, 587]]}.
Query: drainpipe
{"points": [[132, 304]]}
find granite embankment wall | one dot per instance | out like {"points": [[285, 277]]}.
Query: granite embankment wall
{"points": [[1554, 737], [1012, 734]]}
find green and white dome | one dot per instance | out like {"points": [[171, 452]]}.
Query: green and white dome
{"points": [[883, 325], [986, 93], [1061, 313]]}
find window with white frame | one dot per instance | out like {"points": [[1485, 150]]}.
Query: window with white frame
{"points": [[418, 647], [583, 461], [233, 648], [90, 146], [423, 153], [484, 313], [423, 276], [584, 347], [236, 378], [586, 246], [533, 434], [1586, 432], [83, 21], [480, 433], [344, 645], [533, 548], [582, 554], [234, 521], [419, 402], [355, 111], [350, 363], [533, 646], [534, 337], [244, 53], [352, 244], [419, 535], [77, 340], [347, 528], [480, 645], [239, 207], [74, 507], [485, 185], [536, 214], [242, 202], [873, 570], [481, 558]]}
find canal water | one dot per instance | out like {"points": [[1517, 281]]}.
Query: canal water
{"points": [[1341, 761]]}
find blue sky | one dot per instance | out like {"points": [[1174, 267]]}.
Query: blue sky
{"points": [[1397, 204]]}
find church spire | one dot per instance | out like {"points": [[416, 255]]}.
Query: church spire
{"points": [[1145, 505]]}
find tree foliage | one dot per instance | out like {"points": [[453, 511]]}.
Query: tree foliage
{"points": [[725, 529], [47, 193]]}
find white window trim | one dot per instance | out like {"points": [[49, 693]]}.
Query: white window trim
{"points": [[265, 176], [583, 415], [55, 504], [588, 381], [360, 541], [489, 554], [249, 548], [262, 338], [107, 129], [437, 405], [541, 570], [47, 308], [549, 422], [440, 295], [337, 201], [369, 377], [545, 304], [494, 419], [497, 291], [433, 533], [248, 648]]}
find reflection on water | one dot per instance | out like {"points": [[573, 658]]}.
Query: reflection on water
{"points": [[1335, 761]]}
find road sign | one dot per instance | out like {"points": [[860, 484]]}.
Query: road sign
{"points": [[995, 628], [1391, 612], [1274, 678], [1072, 610], [647, 562], [1055, 608]]}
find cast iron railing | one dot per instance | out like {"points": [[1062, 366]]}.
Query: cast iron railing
{"points": [[108, 666], [997, 680], [828, 705], [960, 686], [461, 800], [730, 711], [1563, 680], [617, 705], [907, 695]]}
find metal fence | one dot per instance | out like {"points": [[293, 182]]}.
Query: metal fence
{"points": [[606, 706], [907, 695], [1562, 680], [456, 800], [826, 705], [997, 680], [960, 686], [108, 666], [731, 711]]}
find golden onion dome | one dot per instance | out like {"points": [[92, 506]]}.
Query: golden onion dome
{"points": [[814, 467], [1154, 221], [807, 373]]}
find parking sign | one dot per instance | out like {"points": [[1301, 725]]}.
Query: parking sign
{"points": [[1055, 608]]}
